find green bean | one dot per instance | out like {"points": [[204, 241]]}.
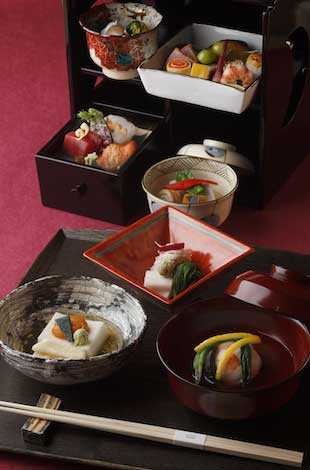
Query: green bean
{"points": [[245, 361]]}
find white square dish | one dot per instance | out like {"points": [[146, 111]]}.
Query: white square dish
{"points": [[158, 82]]}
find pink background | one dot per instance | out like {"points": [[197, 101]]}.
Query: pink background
{"points": [[34, 105]]}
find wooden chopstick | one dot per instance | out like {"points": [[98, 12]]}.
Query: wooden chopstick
{"points": [[161, 434]]}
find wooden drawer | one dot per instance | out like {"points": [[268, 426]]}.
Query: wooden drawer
{"points": [[91, 191]]}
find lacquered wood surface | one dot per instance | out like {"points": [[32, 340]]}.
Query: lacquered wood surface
{"points": [[141, 392]]}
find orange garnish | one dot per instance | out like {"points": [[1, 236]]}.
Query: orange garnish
{"points": [[77, 322]]}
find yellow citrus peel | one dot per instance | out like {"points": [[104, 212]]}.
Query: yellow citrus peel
{"points": [[248, 339], [224, 337]]}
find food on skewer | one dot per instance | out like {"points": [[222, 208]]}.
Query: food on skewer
{"points": [[229, 358], [220, 64]]}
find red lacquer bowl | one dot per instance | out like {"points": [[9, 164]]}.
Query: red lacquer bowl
{"points": [[284, 350], [280, 290]]}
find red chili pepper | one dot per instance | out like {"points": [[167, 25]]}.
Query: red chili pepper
{"points": [[171, 246], [186, 184]]}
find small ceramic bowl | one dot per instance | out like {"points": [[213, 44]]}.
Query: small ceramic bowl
{"points": [[119, 56], [27, 309], [214, 212]]}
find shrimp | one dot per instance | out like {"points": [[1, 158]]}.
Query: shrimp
{"points": [[235, 72], [115, 155]]}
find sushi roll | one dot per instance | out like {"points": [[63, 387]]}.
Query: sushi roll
{"points": [[180, 66]]}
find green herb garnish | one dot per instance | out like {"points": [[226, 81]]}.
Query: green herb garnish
{"points": [[197, 190], [184, 175], [185, 274], [92, 115]]}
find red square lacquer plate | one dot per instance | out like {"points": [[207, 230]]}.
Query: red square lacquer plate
{"points": [[132, 251]]}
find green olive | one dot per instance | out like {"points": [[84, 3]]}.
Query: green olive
{"points": [[207, 56]]}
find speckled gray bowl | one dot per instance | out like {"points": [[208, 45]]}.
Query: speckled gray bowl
{"points": [[27, 309]]}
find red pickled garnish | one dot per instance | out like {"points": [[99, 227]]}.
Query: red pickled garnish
{"points": [[171, 246]]}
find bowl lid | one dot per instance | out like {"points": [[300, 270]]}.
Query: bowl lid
{"points": [[219, 151], [280, 290]]}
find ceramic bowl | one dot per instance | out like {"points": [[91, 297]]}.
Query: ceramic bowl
{"points": [[214, 212], [284, 350], [132, 251], [119, 56], [27, 309]]}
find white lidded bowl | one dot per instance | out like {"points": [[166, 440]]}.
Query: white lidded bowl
{"points": [[214, 211]]}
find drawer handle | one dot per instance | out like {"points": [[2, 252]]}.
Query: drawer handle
{"points": [[79, 188]]}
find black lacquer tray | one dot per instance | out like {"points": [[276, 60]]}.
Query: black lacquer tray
{"points": [[141, 392]]}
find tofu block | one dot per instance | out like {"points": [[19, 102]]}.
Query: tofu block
{"points": [[202, 71], [157, 283], [48, 346]]}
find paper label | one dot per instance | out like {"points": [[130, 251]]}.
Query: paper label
{"points": [[189, 439]]}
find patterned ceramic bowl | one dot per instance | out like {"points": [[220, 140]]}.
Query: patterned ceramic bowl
{"points": [[27, 309], [119, 56], [213, 212]]}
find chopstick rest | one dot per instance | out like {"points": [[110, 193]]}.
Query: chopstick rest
{"points": [[36, 430]]}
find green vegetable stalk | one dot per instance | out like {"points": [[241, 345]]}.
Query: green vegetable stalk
{"points": [[245, 360], [185, 274], [200, 362]]}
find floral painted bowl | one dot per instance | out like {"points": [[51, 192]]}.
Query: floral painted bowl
{"points": [[119, 56], [215, 211]]}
